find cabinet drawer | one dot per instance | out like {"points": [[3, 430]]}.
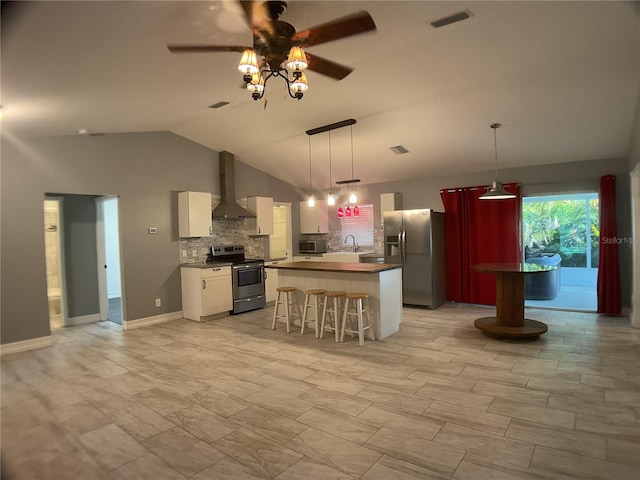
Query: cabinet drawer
{"points": [[210, 272]]}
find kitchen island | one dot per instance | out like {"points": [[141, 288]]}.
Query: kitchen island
{"points": [[383, 283]]}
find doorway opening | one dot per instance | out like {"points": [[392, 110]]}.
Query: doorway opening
{"points": [[562, 231], [280, 242], [82, 257], [53, 242]]}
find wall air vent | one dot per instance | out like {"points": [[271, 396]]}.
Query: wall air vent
{"points": [[456, 17], [219, 105], [398, 149]]}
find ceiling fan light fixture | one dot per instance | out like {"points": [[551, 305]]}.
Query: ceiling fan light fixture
{"points": [[297, 60], [248, 63]]}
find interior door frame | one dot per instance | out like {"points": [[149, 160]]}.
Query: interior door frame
{"points": [[103, 293], [61, 257], [102, 260], [289, 239]]}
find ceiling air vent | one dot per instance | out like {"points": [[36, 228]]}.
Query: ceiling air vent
{"points": [[456, 17], [398, 150], [219, 105]]}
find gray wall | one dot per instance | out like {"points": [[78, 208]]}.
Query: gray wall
{"points": [[145, 171]]}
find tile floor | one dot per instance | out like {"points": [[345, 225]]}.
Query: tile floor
{"points": [[232, 399]]}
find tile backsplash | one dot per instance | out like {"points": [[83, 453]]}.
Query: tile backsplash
{"points": [[225, 232]]}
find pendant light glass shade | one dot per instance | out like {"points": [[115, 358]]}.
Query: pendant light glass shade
{"points": [[356, 211], [340, 212], [347, 212], [353, 198], [331, 199], [297, 60], [497, 191], [248, 62], [299, 85], [311, 201], [257, 83]]}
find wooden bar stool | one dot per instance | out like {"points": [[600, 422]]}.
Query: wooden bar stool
{"points": [[286, 300], [312, 300], [358, 308], [335, 311]]}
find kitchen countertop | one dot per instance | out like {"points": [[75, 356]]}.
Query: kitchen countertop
{"points": [[205, 265], [275, 259], [336, 267]]}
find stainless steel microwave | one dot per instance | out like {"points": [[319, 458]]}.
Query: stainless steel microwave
{"points": [[312, 246]]}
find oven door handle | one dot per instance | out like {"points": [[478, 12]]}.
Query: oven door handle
{"points": [[251, 265]]}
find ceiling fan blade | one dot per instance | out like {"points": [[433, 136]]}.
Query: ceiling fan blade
{"points": [[327, 67], [258, 18], [205, 48], [354, 24]]}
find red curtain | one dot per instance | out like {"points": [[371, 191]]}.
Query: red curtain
{"points": [[608, 264], [478, 231]]}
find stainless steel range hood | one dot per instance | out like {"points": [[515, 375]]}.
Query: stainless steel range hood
{"points": [[228, 208]]}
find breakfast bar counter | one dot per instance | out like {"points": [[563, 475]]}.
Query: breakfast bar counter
{"points": [[383, 283]]}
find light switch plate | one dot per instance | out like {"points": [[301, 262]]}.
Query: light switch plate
{"points": [[153, 230]]}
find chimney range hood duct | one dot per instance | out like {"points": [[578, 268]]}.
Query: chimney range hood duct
{"points": [[228, 208]]}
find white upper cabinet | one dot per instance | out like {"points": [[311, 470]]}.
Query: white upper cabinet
{"points": [[194, 214], [314, 219], [263, 223]]}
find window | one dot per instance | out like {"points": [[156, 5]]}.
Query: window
{"points": [[361, 227], [564, 224]]}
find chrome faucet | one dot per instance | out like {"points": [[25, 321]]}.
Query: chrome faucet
{"points": [[355, 245]]}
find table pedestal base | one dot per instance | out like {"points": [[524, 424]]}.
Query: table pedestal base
{"points": [[530, 329]]}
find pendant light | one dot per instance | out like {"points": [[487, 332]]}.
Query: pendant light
{"points": [[497, 191], [331, 199], [353, 197], [311, 201]]}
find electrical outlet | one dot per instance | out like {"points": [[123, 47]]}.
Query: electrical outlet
{"points": [[158, 302], [194, 253], [184, 253]]}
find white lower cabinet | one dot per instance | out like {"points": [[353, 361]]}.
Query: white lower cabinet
{"points": [[206, 292], [271, 281]]}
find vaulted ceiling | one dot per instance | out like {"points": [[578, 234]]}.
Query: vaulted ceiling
{"points": [[562, 77]]}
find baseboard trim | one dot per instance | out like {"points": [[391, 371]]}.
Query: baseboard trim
{"points": [[25, 345], [145, 322], [82, 320]]}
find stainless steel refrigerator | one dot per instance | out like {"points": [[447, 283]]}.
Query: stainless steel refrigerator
{"points": [[415, 239]]}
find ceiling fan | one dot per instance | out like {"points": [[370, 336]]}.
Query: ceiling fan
{"points": [[276, 41]]}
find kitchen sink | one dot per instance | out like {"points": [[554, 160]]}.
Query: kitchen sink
{"points": [[346, 257]]}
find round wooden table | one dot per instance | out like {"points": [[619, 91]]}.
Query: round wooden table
{"points": [[509, 321]]}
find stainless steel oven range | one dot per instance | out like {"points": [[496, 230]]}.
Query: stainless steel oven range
{"points": [[247, 276]]}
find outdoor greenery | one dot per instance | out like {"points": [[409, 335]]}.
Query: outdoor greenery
{"points": [[562, 226]]}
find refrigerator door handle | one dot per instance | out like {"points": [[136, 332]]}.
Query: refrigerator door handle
{"points": [[402, 247]]}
